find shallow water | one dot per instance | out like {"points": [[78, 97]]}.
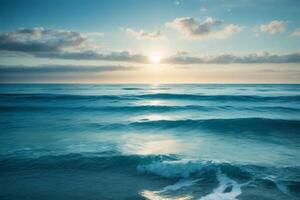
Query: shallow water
{"points": [[149, 141]]}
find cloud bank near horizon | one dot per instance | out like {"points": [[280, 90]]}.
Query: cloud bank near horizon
{"points": [[26, 73], [72, 45]]}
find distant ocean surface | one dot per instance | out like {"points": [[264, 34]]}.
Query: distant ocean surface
{"points": [[156, 142]]}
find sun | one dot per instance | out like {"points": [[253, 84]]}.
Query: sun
{"points": [[155, 58]]}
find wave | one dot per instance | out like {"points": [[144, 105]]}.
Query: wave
{"points": [[236, 125], [223, 179], [146, 108], [226, 179], [162, 96], [167, 166], [219, 97], [143, 108], [275, 108], [226, 189], [132, 88], [84, 161], [69, 97]]}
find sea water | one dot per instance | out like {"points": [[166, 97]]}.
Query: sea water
{"points": [[206, 142]]}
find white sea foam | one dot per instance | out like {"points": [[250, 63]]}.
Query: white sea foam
{"points": [[227, 189], [158, 195], [180, 184], [221, 193]]}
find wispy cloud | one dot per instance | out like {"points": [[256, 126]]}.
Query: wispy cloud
{"points": [[273, 27], [119, 56], [93, 34], [177, 3], [230, 58], [208, 28], [145, 35], [184, 58], [203, 9], [296, 33]]}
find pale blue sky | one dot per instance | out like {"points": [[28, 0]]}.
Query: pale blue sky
{"points": [[262, 34]]}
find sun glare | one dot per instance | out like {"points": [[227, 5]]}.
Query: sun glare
{"points": [[155, 58]]}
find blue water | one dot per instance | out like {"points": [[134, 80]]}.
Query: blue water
{"points": [[153, 142]]}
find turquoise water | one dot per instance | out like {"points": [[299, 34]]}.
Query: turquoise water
{"points": [[149, 141]]}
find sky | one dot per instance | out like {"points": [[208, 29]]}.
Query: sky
{"points": [[150, 41]]}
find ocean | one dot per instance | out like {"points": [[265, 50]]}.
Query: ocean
{"points": [[156, 142]]}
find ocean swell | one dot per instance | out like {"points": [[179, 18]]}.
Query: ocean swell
{"points": [[162, 96], [236, 125], [214, 180]]}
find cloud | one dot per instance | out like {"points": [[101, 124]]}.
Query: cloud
{"points": [[227, 31], [144, 35], [21, 69], [294, 71], [203, 9], [70, 45], [273, 27], [61, 44], [93, 34], [184, 58], [177, 3], [203, 29], [296, 33], [230, 58], [191, 27], [41, 40], [59, 73], [123, 56]]}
